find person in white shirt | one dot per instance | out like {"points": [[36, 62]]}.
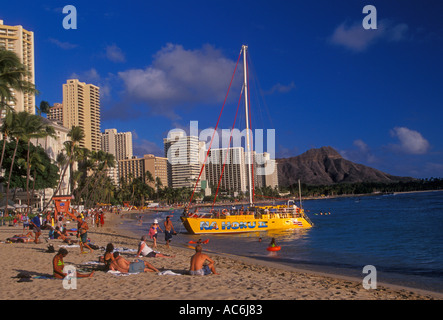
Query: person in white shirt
{"points": [[145, 251]]}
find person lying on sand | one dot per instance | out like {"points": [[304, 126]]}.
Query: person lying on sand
{"points": [[59, 235], [145, 251], [198, 268], [124, 266], [21, 238], [58, 265]]}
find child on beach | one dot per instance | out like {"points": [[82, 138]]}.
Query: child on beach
{"points": [[153, 230]]}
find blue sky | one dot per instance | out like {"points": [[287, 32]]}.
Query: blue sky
{"points": [[321, 79]]}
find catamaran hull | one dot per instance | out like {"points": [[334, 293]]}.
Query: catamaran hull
{"points": [[238, 224]]}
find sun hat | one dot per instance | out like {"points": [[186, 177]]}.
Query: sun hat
{"points": [[155, 221]]}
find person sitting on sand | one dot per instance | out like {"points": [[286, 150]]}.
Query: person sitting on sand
{"points": [[58, 265], [145, 251], [198, 268], [108, 257], [124, 266], [60, 235]]}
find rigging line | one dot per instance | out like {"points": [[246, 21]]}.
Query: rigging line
{"points": [[254, 80], [215, 129], [227, 149]]}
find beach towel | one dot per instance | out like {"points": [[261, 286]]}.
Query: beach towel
{"points": [[168, 273], [120, 274], [69, 246], [92, 263], [125, 250]]}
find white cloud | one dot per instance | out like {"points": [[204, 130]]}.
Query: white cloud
{"points": [[362, 154], [411, 141], [280, 88], [144, 146], [180, 77], [115, 54], [63, 45], [357, 39], [93, 77]]}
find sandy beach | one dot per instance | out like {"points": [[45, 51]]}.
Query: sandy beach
{"points": [[239, 279]]}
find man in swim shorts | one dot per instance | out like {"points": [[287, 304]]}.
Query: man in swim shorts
{"points": [[121, 264], [83, 232], [36, 224], [197, 263], [169, 231]]}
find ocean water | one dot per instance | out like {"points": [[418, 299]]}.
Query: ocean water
{"points": [[401, 235]]}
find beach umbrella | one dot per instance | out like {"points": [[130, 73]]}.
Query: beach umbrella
{"points": [[9, 207], [11, 204]]}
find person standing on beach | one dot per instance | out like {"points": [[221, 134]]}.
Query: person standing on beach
{"points": [[25, 220], [102, 219], [83, 232], [153, 230], [35, 222], [169, 231], [198, 268]]}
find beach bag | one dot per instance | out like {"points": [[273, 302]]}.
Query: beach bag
{"points": [[50, 248]]}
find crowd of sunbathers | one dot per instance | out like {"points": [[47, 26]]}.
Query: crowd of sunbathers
{"points": [[201, 264]]}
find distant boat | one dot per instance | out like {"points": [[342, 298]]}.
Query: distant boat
{"points": [[253, 218]]}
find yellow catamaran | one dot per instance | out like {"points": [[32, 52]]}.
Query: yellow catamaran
{"points": [[253, 218]]}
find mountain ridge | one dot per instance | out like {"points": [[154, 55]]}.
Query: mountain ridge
{"points": [[325, 166]]}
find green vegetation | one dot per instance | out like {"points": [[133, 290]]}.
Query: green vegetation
{"points": [[341, 189]]}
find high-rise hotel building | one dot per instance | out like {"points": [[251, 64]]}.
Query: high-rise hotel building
{"points": [[118, 144], [183, 154], [137, 167], [56, 113], [81, 108], [20, 41]]}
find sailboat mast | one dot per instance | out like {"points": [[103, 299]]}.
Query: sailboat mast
{"points": [[245, 72]]}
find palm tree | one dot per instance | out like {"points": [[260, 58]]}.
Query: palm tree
{"points": [[12, 73], [5, 129], [76, 134], [19, 123], [35, 128], [106, 160], [43, 108]]}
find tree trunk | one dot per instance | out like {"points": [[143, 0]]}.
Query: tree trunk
{"points": [[9, 179]]}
